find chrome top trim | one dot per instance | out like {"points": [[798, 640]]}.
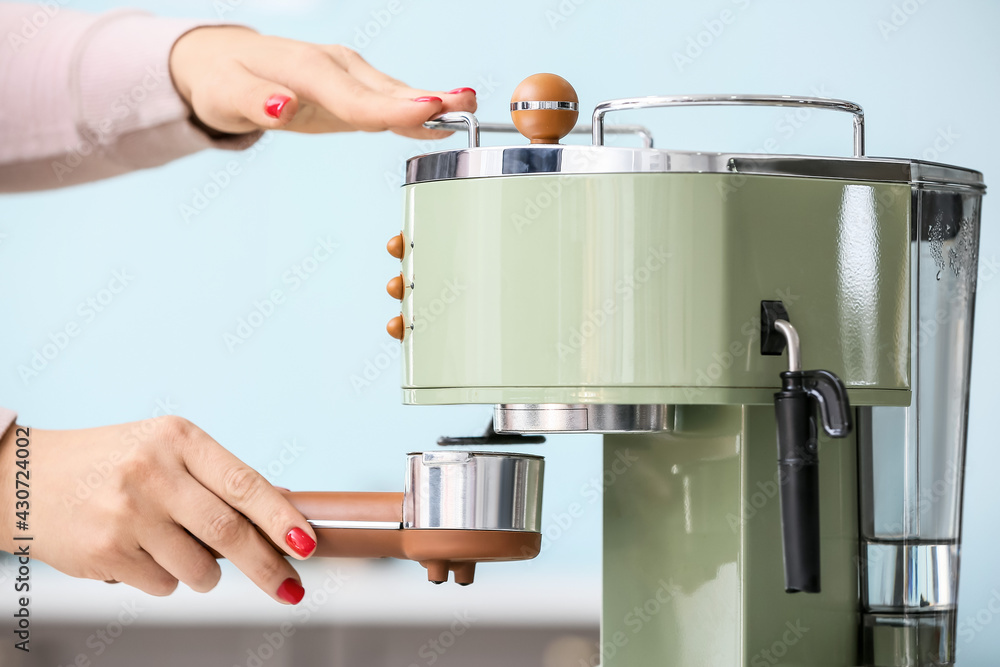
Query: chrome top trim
{"points": [[493, 161], [544, 104]]}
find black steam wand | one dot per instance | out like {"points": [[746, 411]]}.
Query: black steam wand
{"points": [[798, 460]]}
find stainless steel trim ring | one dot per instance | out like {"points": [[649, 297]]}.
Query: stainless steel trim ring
{"points": [[544, 104]]}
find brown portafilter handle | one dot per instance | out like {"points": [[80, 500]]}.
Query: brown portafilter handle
{"points": [[438, 550], [544, 108]]}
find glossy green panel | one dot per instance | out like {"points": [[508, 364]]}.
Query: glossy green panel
{"points": [[644, 288], [693, 571]]}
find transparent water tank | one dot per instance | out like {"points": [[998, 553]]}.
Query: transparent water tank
{"points": [[911, 460]]}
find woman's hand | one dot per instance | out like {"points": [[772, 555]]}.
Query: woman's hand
{"points": [[237, 80], [116, 503]]}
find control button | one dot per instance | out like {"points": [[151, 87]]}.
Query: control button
{"points": [[395, 287], [395, 327], [395, 246]]}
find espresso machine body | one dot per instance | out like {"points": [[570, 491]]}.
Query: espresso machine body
{"points": [[630, 292]]}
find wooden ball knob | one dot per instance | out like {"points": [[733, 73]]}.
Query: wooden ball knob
{"points": [[544, 108], [395, 246], [395, 287], [395, 327]]}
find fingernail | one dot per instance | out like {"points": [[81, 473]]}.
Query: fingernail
{"points": [[300, 541], [291, 591], [459, 91], [427, 98], [274, 105]]}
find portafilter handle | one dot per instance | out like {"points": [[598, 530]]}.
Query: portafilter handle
{"points": [[459, 508]]}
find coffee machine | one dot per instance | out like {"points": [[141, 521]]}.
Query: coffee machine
{"points": [[778, 345]]}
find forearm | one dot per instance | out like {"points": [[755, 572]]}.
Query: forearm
{"points": [[8, 439], [89, 97]]}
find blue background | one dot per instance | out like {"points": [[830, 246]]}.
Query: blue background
{"points": [[161, 339]]}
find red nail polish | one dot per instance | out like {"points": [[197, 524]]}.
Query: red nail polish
{"points": [[291, 591], [427, 98], [459, 91], [274, 105], [300, 541]]}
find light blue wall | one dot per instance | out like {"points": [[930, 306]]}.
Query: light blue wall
{"points": [[162, 337]]}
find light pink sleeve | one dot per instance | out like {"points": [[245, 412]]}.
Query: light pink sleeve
{"points": [[84, 97], [6, 419]]}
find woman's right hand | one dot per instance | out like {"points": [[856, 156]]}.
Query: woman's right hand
{"points": [[236, 80], [121, 503]]}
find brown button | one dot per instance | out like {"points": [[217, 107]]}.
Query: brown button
{"points": [[395, 327], [395, 287], [395, 246]]}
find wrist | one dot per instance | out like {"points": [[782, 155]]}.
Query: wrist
{"points": [[189, 55], [8, 444]]}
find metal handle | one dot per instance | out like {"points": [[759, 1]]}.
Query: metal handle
{"points": [[463, 120], [731, 100], [457, 120]]}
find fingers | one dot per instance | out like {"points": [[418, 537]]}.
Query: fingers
{"points": [[180, 555], [243, 488], [140, 571], [227, 531], [352, 62], [320, 80], [457, 99], [240, 101]]}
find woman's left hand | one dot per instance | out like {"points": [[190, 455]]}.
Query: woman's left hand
{"points": [[237, 80]]}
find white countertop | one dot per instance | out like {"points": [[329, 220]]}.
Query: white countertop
{"points": [[338, 591]]}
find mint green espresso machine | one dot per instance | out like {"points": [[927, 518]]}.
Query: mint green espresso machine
{"points": [[776, 348]]}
